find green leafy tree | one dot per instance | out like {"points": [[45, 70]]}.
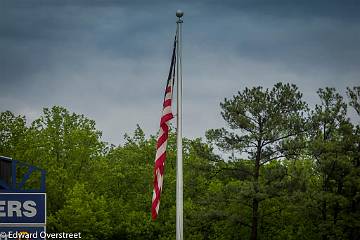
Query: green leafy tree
{"points": [[267, 125], [354, 95], [12, 134], [130, 172], [352, 181], [83, 212], [330, 142], [65, 145]]}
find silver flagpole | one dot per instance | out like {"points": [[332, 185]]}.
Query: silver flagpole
{"points": [[179, 162]]}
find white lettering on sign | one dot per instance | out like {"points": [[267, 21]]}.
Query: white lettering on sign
{"points": [[18, 209], [14, 207], [30, 210]]}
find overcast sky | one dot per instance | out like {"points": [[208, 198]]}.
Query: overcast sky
{"points": [[109, 59]]}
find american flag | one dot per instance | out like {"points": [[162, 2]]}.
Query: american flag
{"points": [[162, 139]]}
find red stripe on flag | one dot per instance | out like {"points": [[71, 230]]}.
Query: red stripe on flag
{"points": [[166, 118], [168, 89], [167, 103], [161, 140]]}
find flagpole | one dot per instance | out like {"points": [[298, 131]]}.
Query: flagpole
{"points": [[179, 161]]}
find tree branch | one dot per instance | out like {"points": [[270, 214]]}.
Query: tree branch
{"points": [[281, 138]]}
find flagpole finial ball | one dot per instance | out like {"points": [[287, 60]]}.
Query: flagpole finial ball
{"points": [[179, 13]]}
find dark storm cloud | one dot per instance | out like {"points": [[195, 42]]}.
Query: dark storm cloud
{"points": [[321, 32], [108, 59]]}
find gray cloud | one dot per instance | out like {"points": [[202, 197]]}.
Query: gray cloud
{"points": [[109, 59]]}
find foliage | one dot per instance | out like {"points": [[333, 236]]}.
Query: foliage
{"points": [[267, 125], [292, 173]]}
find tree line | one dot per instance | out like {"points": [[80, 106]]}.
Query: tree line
{"points": [[281, 170]]}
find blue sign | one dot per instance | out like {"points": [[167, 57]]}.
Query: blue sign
{"points": [[22, 208], [32, 233]]}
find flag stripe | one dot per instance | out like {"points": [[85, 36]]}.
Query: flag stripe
{"points": [[167, 103], [162, 139]]}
